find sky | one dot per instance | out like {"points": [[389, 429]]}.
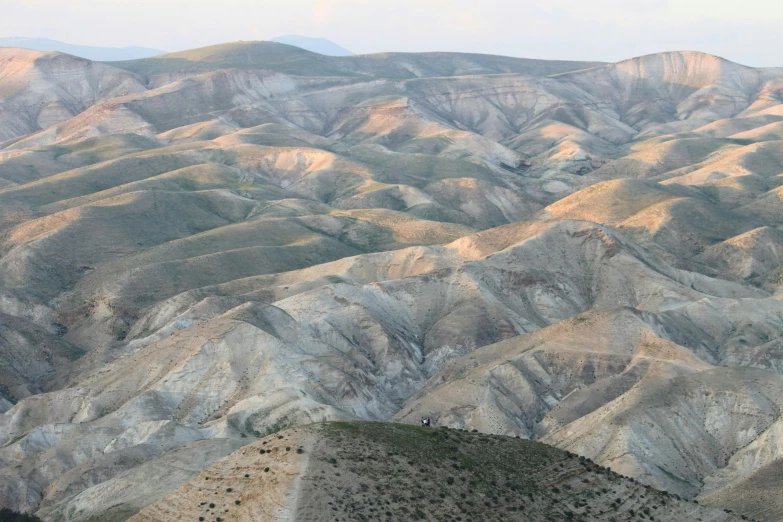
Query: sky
{"points": [[745, 31]]}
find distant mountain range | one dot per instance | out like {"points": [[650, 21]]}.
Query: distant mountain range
{"points": [[85, 51], [113, 54], [316, 45]]}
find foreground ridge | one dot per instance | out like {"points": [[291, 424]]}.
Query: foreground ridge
{"points": [[372, 471]]}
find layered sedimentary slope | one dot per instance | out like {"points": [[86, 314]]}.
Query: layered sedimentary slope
{"points": [[202, 248], [39, 89]]}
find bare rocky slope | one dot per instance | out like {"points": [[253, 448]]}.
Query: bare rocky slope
{"points": [[203, 248], [39, 89]]}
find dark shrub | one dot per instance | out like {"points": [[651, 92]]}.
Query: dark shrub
{"points": [[6, 515]]}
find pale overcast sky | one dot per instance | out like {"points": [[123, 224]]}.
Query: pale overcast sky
{"points": [[746, 31]]}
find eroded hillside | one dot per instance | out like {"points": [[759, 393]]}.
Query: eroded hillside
{"points": [[201, 248]]}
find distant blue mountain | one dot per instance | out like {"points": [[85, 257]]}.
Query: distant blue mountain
{"points": [[316, 45], [105, 54]]}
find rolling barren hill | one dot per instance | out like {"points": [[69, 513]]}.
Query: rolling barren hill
{"points": [[203, 248]]}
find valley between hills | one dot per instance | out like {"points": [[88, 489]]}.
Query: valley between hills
{"points": [[204, 251]]}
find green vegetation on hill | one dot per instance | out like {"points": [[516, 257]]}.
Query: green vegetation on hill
{"points": [[384, 471]]}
